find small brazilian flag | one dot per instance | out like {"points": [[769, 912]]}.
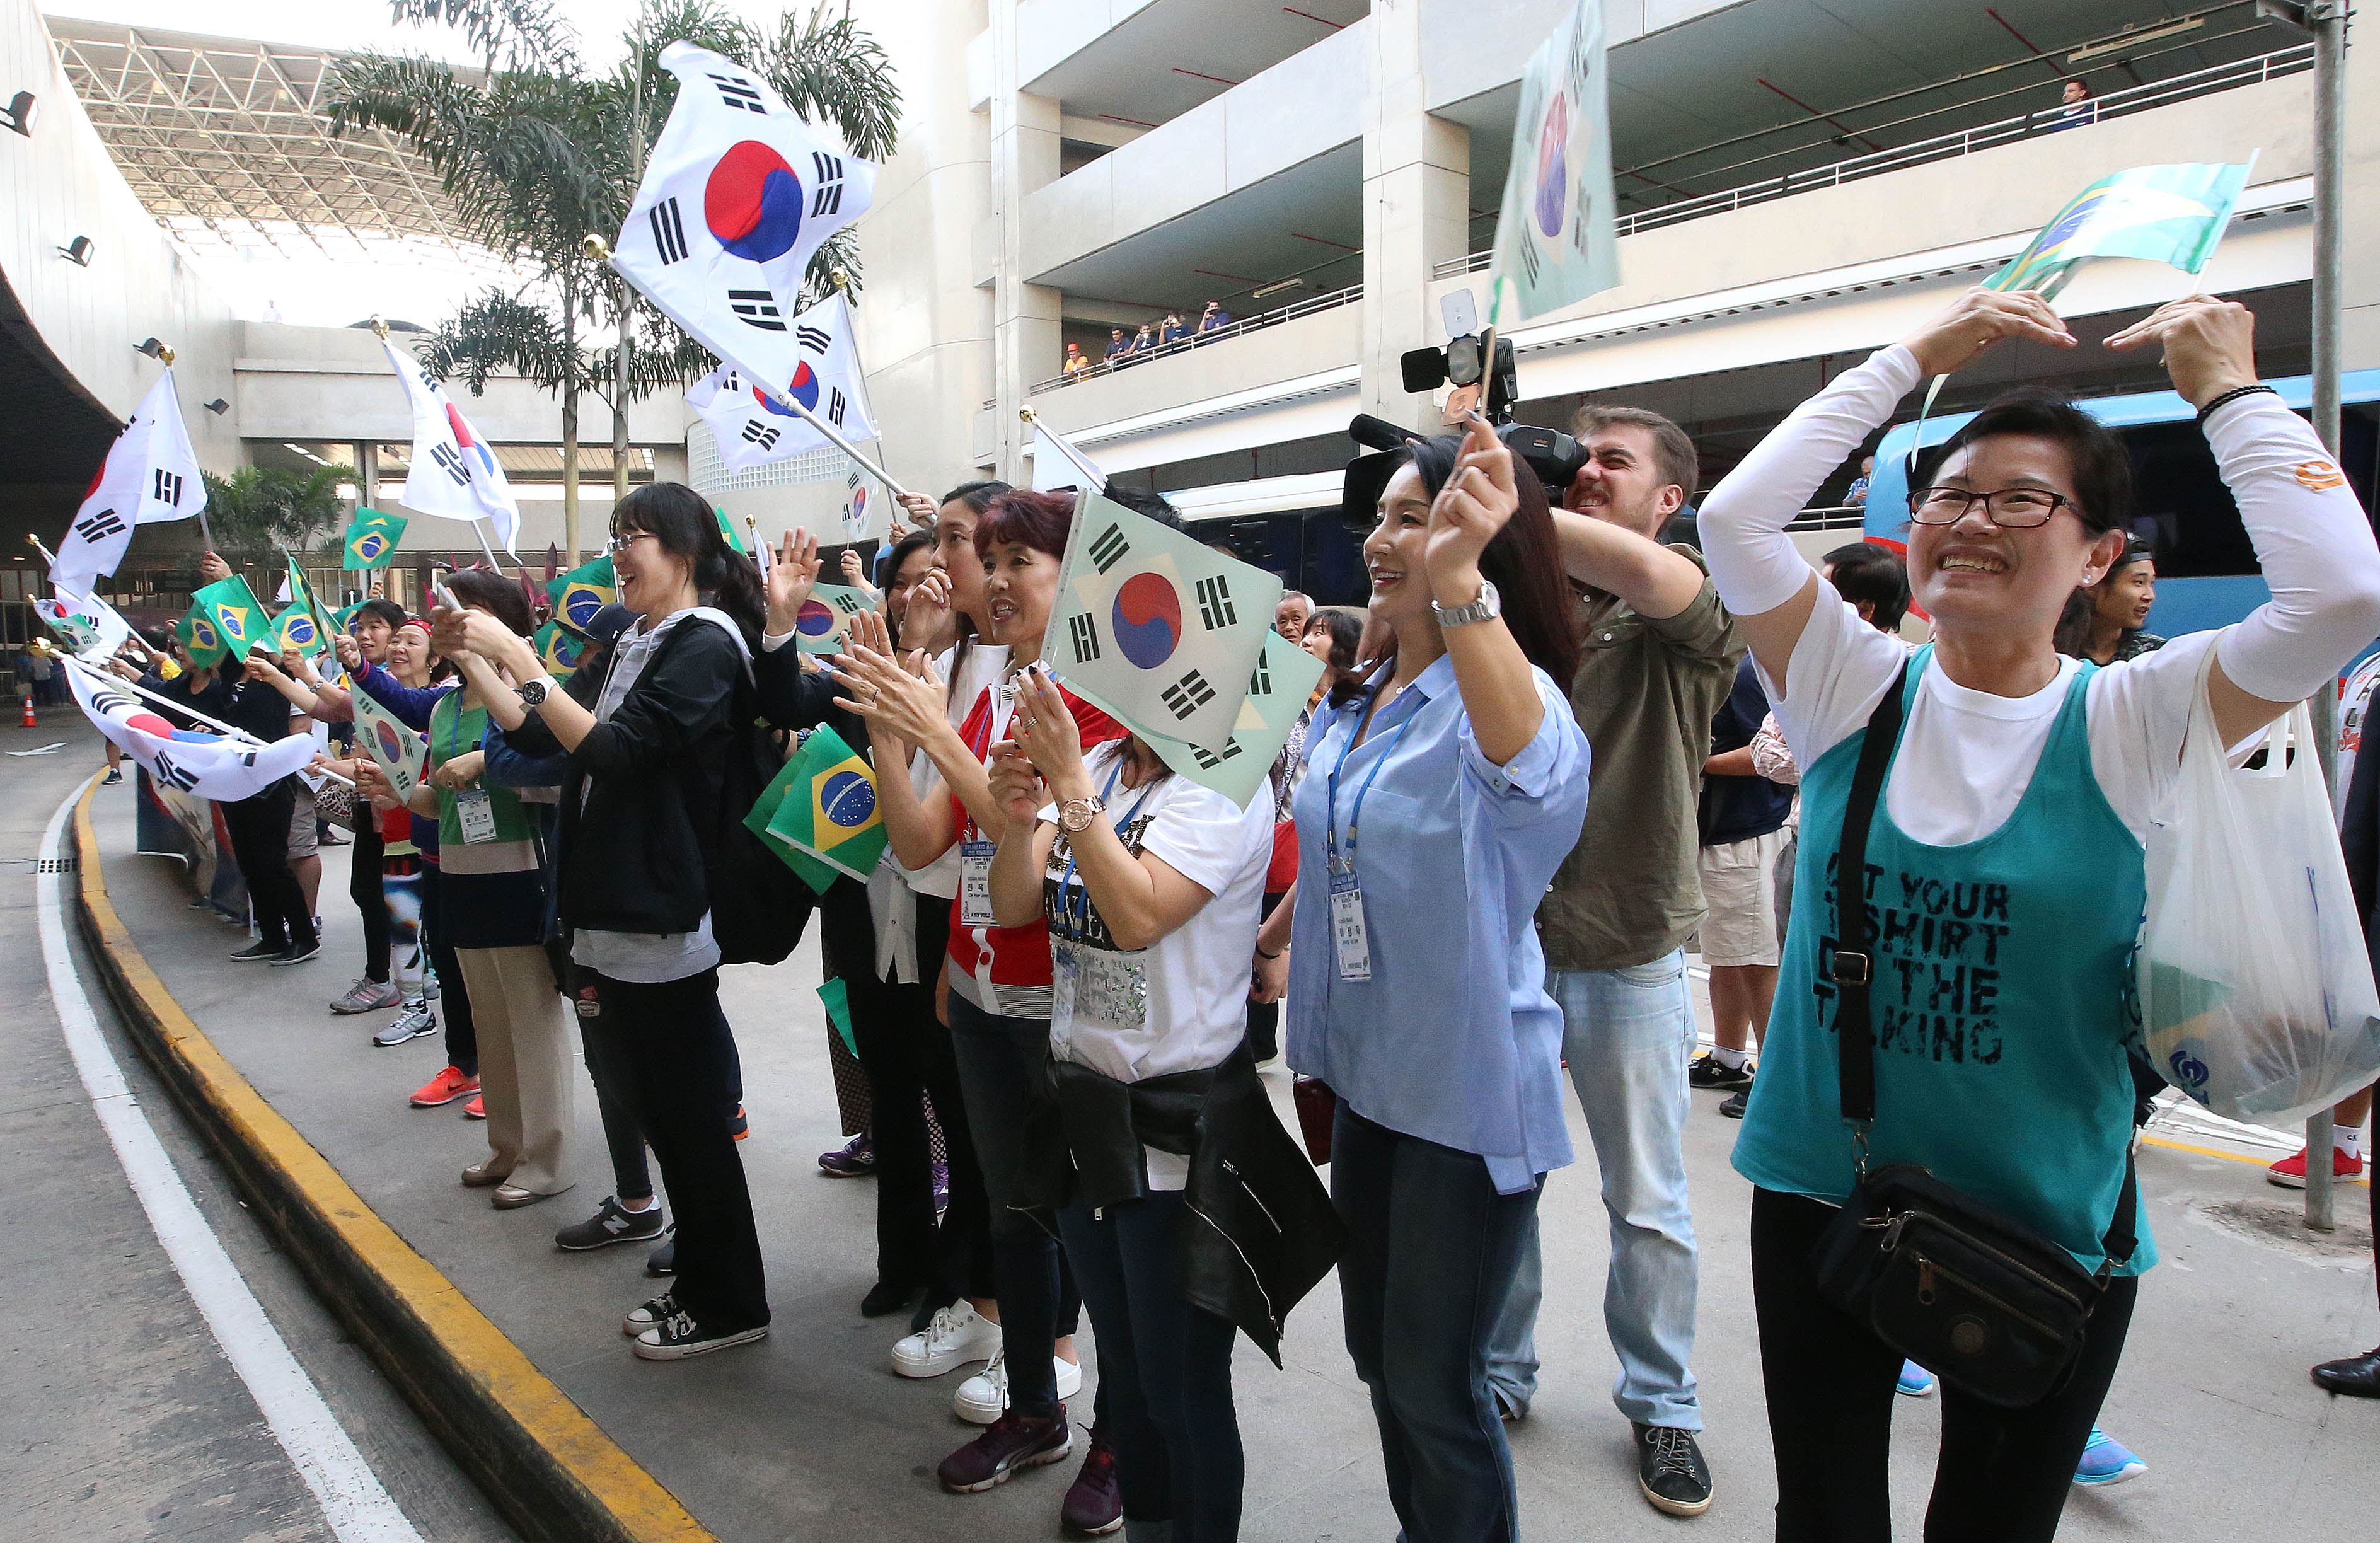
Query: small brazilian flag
{"points": [[815, 874], [581, 592], [345, 613], [198, 635], [558, 649], [734, 537], [241, 623], [372, 538], [296, 630], [831, 812]]}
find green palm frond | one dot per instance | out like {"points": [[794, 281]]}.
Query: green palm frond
{"points": [[515, 35], [260, 508], [829, 71]]}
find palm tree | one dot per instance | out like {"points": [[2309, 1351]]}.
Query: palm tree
{"points": [[261, 509], [538, 154]]}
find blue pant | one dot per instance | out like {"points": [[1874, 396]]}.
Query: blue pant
{"points": [[1627, 1034], [1165, 1370], [1430, 1256]]}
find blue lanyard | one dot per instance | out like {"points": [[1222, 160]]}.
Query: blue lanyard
{"points": [[1355, 816], [1066, 881]]}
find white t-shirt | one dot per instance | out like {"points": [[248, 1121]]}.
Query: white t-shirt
{"points": [[1189, 989]]}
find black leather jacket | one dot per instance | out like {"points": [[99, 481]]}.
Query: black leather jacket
{"points": [[1262, 1231]]}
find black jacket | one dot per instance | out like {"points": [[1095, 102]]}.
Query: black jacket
{"points": [[1261, 1229], [637, 857]]}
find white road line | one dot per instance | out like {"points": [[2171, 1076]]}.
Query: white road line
{"points": [[358, 1509]]}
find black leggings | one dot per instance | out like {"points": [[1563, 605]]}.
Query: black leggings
{"points": [[2003, 1474], [260, 845], [363, 888], [461, 1031]]}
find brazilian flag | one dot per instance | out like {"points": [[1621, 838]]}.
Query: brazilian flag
{"points": [[581, 592], [241, 623], [372, 538], [301, 627], [198, 634], [345, 613], [781, 792], [559, 649], [734, 537], [831, 811]]}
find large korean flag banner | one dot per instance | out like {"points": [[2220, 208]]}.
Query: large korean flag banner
{"points": [[90, 628], [1158, 630], [453, 473], [1555, 243], [737, 198], [401, 753], [151, 474], [1278, 692], [204, 765], [754, 427]]}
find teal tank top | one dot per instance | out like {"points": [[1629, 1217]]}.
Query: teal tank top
{"points": [[2002, 1002]]}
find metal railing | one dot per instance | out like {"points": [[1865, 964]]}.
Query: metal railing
{"points": [[1331, 302], [1832, 516], [1944, 147]]}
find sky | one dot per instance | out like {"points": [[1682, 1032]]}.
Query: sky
{"points": [[315, 288]]}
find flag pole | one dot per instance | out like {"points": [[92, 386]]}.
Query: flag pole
{"points": [[493, 567], [823, 427], [43, 646]]}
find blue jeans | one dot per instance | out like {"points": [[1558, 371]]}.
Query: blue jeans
{"points": [[1431, 1252], [1165, 1370], [1627, 1034]]}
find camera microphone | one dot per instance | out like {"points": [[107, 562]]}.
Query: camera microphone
{"points": [[1378, 433]]}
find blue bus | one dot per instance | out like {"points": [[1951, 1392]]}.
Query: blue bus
{"points": [[2207, 574]]}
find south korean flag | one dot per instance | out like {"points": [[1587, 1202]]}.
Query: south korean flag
{"points": [[737, 196], [453, 473], [151, 474], [754, 426], [204, 765], [1156, 628]]}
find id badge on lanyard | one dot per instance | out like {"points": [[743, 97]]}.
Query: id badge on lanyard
{"points": [[476, 812], [1348, 937], [975, 880]]}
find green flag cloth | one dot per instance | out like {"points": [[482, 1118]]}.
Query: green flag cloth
{"points": [[581, 592], [830, 809], [372, 538], [815, 874], [296, 630], [1555, 241], [837, 997], [2175, 214], [558, 649], [198, 632], [240, 621], [735, 538], [342, 616], [1283, 682]]}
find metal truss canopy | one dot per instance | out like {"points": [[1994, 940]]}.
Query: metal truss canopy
{"points": [[216, 132]]}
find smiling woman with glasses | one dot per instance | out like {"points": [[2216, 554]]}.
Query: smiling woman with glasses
{"points": [[1983, 985]]}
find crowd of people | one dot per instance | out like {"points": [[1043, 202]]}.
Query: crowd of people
{"points": [[1167, 335], [1584, 754]]}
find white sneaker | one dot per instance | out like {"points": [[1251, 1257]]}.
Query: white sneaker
{"points": [[982, 1399], [957, 1335]]}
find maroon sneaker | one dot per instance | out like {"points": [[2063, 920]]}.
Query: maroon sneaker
{"points": [[1011, 1442], [1093, 1505]]}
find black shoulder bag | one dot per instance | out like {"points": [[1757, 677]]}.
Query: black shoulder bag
{"points": [[1983, 1302]]}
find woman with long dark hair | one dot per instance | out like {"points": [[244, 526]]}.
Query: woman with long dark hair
{"points": [[649, 737], [1417, 977]]}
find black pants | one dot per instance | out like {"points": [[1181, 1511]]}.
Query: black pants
{"points": [[455, 1001], [614, 1071], [2003, 1474], [683, 1066], [909, 1057], [260, 845], [1264, 1018], [363, 888], [1001, 1060]]}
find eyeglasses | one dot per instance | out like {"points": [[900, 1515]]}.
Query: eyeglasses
{"points": [[619, 544], [2010, 509]]}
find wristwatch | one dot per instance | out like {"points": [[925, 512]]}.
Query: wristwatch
{"points": [[1488, 606], [532, 692], [1075, 815]]}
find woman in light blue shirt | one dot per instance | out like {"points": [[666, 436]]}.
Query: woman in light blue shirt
{"points": [[1437, 806]]}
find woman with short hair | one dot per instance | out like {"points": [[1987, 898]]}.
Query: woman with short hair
{"points": [[2002, 989]]}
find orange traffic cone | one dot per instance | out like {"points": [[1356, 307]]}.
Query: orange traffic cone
{"points": [[29, 722]]}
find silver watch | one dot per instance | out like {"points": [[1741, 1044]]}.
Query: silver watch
{"points": [[1487, 607]]}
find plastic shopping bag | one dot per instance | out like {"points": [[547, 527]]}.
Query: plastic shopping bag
{"points": [[2256, 993]]}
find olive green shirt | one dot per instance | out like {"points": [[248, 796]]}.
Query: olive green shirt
{"points": [[1646, 694]]}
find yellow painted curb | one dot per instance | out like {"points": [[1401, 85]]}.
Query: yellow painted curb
{"points": [[551, 1470]]}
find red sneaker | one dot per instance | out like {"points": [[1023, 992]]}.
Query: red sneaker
{"points": [[444, 1088], [475, 1109], [2291, 1172]]}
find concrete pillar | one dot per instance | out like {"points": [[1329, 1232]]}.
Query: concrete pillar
{"points": [[1417, 209], [2360, 280], [1027, 333]]}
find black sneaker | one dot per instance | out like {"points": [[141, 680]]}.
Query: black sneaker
{"points": [[679, 1336], [613, 1223], [298, 954], [662, 1263], [652, 1315], [1670, 1470], [259, 952], [1013, 1441], [1706, 1070], [1732, 1105], [113, 778]]}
